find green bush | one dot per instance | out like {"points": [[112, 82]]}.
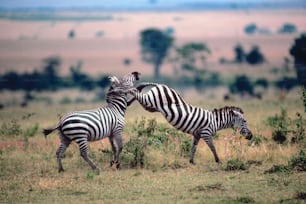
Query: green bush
{"points": [[284, 127], [280, 123], [235, 165], [10, 129], [147, 133], [298, 162], [257, 140], [278, 169]]}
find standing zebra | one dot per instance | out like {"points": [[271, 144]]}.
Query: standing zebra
{"points": [[92, 125], [199, 122]]}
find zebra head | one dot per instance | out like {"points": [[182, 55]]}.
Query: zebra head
{"points": [[124, 85], [239, 122]]}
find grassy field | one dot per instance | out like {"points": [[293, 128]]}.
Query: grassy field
{"points": [[28, 167]]}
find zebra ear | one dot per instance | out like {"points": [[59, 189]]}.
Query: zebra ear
{"points": [[114, 80], [235, 113], [136, 75]]}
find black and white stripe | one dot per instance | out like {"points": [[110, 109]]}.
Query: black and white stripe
{"points": [[93, 125], [199, 122]]}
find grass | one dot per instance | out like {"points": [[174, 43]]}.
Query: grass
{"points": [[28, 173]]}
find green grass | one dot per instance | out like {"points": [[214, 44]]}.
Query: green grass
{"points": [[28, 168]]}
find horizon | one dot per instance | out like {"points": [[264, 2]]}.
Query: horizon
{"points": [[152, 4]]}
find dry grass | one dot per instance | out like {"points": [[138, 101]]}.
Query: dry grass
{"points": [[29, 171]]}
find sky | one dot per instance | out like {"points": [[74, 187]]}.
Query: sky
{"points": [[124, 3]]}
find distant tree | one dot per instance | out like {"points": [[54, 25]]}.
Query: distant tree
{"points": [[127, 61], [103, 82], [50, 73], [239, 53], [155, 45], [250, 28], [81, 79], [286, 83], [288, 28], [11, 81], [71, 34], [191, 56], [242, 85], [298, 51], [255, 57], [262, 82]]}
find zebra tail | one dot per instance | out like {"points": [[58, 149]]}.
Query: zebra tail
{"points": [[49, 130], [145, 84]]}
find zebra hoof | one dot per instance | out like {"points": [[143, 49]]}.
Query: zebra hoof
{"points": [[192, 162], [118, 166], [111, 163], [60, 170]]}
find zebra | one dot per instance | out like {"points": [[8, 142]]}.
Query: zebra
{"points": [[92, 125], [199, 122]]}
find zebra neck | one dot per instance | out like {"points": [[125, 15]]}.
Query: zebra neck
{"points": [[223, 120], [119, 106]]}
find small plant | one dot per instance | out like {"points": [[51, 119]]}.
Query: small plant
{"points": [[235, 165], [299, 131], [278, 169], [298, 162], [300, 195], [30, 132], [245, 199], [280, 123], [283, 127], [185, 147], [257, 140], [11, 129]]}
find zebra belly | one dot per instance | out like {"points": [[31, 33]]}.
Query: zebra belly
{"points": [[76, 128]]}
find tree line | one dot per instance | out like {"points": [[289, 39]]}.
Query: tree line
{"points": [[48, 79]]}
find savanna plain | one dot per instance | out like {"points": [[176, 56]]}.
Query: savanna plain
{"points": [[29, 168], [155, 158]]}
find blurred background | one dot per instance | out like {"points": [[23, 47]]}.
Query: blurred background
{"points": [[62, 51]]}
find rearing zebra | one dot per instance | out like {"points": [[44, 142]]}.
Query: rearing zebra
{"points": [[199, 122], [92, 125]]}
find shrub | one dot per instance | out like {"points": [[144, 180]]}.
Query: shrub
{"points": [[299, 131], [235, 164], [298, 162], [257, 140], [278, 169], [147, 135], [11, 129], [281, 125]]}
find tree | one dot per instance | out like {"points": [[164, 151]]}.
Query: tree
{"points": [[242, 85], [239, 54], [250, 29], [298, 51], [255, 57], [155, 45], [192, 55], [50, 72], [288, 28]]}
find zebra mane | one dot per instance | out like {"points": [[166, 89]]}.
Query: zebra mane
{"points": [[228, 109]]}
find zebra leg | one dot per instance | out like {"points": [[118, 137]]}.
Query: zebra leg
{"points": [[194, 148], [83, 145], [118, 140], [209, 141], [59, 154], [111, 140], [65, 142]]}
